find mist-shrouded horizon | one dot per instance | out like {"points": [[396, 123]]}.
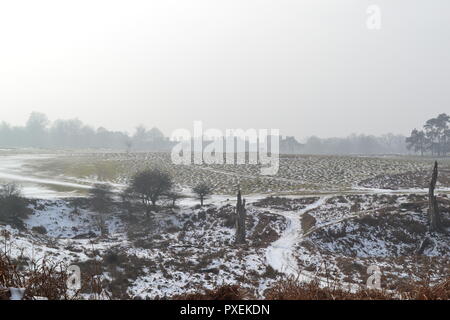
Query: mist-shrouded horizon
{"points": [[210, 150], [309, 68]]}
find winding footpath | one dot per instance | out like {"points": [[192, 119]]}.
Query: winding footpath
{"points": [[280, 254]]}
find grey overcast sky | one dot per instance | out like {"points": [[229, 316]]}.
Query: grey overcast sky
{"points": [[307, 67]]}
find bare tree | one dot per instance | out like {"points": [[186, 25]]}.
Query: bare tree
{"points": [[174, 196], [150, 185], [202, 190]]}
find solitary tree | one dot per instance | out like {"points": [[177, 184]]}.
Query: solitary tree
{"points": [[174, 196], [150, 185], [202, 190]]}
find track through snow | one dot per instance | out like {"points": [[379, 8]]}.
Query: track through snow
{"points": [[280, 254]]}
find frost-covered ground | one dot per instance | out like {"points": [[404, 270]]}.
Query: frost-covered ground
{"points": [[349, 233], [172, 252], [322, 216], [297, 174]]}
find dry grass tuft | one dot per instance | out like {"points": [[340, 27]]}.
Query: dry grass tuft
{"points": [[42, 279], [294, 290], [425, 291], [291, 289], [228, 292], [39, 280]]}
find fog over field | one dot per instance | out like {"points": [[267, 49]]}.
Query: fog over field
{"points": [[224, 150], [307, 67]]}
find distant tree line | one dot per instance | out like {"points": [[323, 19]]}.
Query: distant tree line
{"points": [[39, 132], [356, 144], [434, 138]]}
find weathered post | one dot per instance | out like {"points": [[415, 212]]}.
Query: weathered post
{"points": [[240, 219], [433, 208]]}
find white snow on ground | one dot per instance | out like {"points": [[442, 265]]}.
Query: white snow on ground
{"points": [[283, 255], [60, 221], [34, 185], [280, 255], [62, 224]]}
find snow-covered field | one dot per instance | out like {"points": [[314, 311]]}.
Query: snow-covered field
{"points": [[173, 252], [297, 174], [326, 217]]}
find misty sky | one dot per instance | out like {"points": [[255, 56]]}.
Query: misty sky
{"points": [[307, 67]]}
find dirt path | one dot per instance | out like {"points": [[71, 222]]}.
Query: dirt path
{"points": [[280, 255]]}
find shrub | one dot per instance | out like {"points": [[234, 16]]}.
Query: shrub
{"points": [[149, 185], [227, 292], [13, 207], [39, 229], [202, 190], [41, 280]]}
